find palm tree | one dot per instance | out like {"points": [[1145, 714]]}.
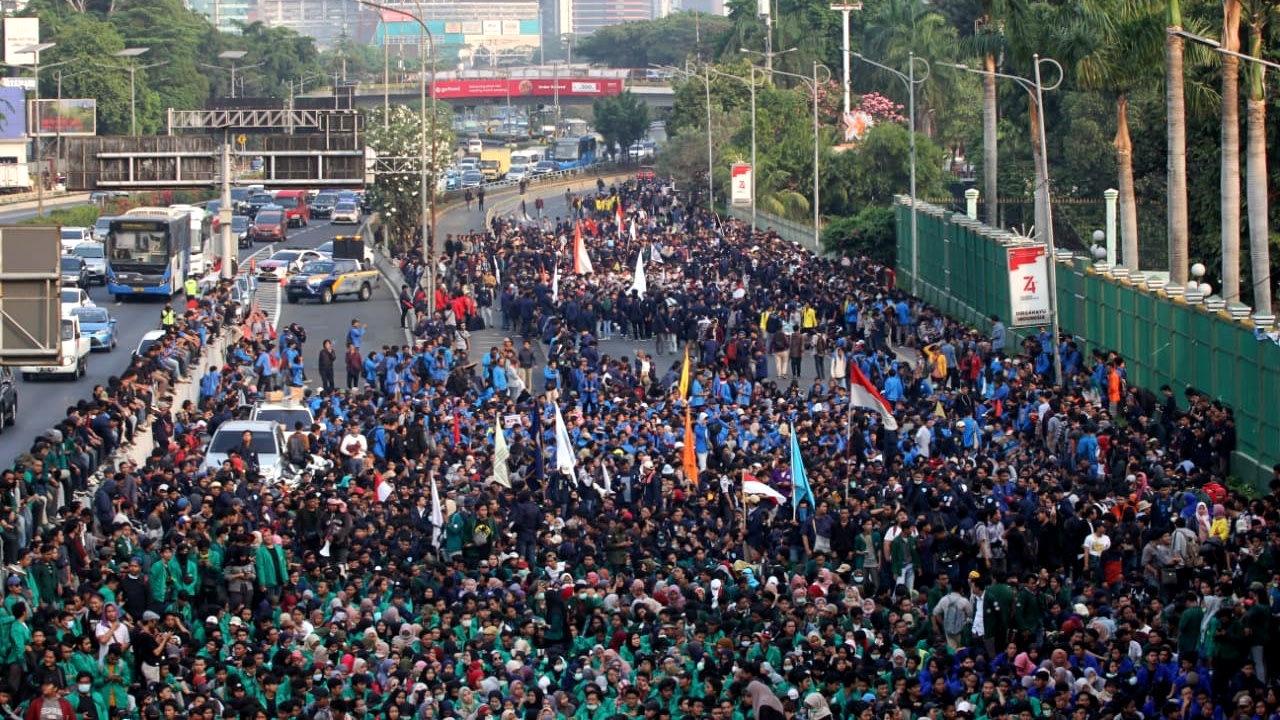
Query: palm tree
{"points": [[988, 39], [1132, 40], [1230, 181], [1256, 185], [1176, 112]]}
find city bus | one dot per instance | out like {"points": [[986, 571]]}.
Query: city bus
{"points": [[148, 252], [204, 248], [573, 152]]}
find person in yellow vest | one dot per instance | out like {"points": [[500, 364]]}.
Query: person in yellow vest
{"points": [[192, 288], [809, 318], [168, 318], [937, 362]]}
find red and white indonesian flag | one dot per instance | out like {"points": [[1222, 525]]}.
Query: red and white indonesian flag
{"points": [[382, 488], [618, 215], [862, 394], [581, 260], [751, 486]]}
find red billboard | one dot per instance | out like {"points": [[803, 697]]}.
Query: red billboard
{"points": [[526, 87]]}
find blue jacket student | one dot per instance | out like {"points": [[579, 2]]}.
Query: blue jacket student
{"points": [[209, 383]]}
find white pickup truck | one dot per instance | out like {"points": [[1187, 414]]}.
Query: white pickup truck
{"points": [[75, 353]]}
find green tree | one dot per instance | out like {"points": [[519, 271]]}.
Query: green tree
{"points": [[83, 40], [871, 232], [175, 36], [285, 56], [668, 41], [397, 196], [1258, 17], [621, 119]]}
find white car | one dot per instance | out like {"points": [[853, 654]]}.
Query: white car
{"points": [[266, 440], [518, 173], [285, 263], [286, 414], [76, 297], [475, 146], [102, 227], [73, 236], [345, 212]]}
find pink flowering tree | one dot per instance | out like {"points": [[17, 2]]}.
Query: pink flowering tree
{"points": [[881, 108]]}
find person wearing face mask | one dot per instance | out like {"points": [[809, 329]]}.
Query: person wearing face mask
{"points": [[88, 703]]}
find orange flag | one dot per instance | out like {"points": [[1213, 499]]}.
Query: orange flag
{"points": [[689, 460]]}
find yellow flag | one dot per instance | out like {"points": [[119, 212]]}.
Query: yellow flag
{"points": [[684, 376]]}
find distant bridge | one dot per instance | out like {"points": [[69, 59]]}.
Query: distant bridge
{"points": [[522, 91]]}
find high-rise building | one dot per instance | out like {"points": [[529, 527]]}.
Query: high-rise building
{"points": [[489, 32], [591, 15], [226, 15]]}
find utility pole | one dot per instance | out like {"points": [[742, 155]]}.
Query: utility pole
{"points": [[224, 216]]}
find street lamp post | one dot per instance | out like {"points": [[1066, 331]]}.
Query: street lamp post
{"points": [[812, 85], [428, 191], [132, 54], [910, 79], [845, 8], [232, 55], [1035, 87], [34, 51]]}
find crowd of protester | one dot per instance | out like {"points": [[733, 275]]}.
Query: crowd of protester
{"points": [[1016, 547]]}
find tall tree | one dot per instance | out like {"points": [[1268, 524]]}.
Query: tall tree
{"points": [[1259, 16], [1230, 180], [988, 40], [621, 120], [1176, 117]]}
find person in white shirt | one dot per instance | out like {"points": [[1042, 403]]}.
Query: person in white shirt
{"points": [[354, 448], [1095, 544], [924, 437]]}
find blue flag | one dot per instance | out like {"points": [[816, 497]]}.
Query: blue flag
{"points": [[800, 489]]}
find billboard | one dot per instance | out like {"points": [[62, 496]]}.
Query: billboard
{"points": [[13, 113], [525, 87], [741, 181], [30, 307], [20, 33], [74, 116], [1028, 285]]}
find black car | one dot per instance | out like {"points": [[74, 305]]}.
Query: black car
{"points": [[8, 398], [257, 201], [74, 272], [322, 206]]}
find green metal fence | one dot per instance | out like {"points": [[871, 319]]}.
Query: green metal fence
{"points": [[1164, 340]]}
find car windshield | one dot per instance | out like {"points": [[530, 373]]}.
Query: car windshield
{"points": [[238, 194], [317, 267], [261, 199], [239, 223], [71, 264], [325, 199], [88, 250], [285, 416], [285, 256], [345, 207], [71, 297], [213, 207], [287, 202], [269, 218], [224, 442], [92, 315], [103, 224]]}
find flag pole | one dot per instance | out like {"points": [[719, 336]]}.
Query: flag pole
{"points": [[742, 498]]}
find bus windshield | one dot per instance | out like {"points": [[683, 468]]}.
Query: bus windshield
{"points": [[566, 149], [146, 247]]}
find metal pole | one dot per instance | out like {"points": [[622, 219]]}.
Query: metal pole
{"points": [[911, 111], [133, 99], [754, 170], [386, 79], [711, 185], [233, 80], [35, 143], [817, 233], [844, 52], [1048, 214], [224, 216]]}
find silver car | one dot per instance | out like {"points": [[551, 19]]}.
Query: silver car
{"points": [[95, 260]]}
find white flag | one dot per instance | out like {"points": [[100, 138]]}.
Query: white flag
{"points": [[640, 284], [555, 282], [565, 460], [501, 474], [605, 480], [655, 253], [497, 272], [633, 229], [437, 515]]}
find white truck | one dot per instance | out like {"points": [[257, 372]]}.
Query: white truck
{"points": [[14, 178], [74, 353]]}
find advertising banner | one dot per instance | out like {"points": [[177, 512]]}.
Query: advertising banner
{"points": [[13, 113], [741, 181], [1028, 285], [524, 87], [76, 116], [20, 33]]}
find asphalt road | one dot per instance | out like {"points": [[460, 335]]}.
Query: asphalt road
{"points": [[41, 403]]}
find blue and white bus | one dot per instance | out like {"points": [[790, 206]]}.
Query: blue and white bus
{"points": [[148, 252], [573, 152]]}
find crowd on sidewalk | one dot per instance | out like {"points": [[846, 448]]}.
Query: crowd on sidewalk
{"points": [[475, 533]]}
